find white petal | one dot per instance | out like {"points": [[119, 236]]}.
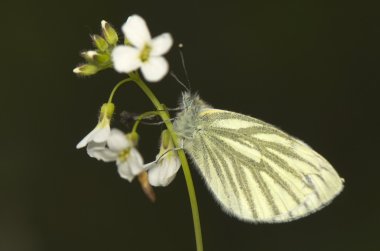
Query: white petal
{"points": [[125, 171], [135, 162], [102, 134], [87, 138], [172, 166], [117, 141], [100, 152], [154, 175], [155, 69], [161, 44], [164, 173], [136, 31], [126, 58]]}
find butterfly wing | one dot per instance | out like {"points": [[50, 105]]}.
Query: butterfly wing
{"points": [[258, 173]]}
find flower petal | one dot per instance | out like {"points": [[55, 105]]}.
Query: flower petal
{"points": [[126, 58], [102, 134], [154, 175], [164, 172], [155, 69], [87, 138], [117, 141], [136, 31], [100, 152], [161, 44], [125, 171], [135, 162]]}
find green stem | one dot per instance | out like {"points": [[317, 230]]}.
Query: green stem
{"points": [[117, 87], [185, 166], [141, 116]]}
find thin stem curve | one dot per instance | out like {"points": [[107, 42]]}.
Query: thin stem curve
{"points": [[181, 154]]}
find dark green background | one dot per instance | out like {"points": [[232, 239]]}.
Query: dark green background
{"points": [[309, 67]]}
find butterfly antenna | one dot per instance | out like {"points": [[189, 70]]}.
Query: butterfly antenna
{"points": [[166, 152], [180, 46], [179, 81]]}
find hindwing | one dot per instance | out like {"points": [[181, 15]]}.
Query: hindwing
{"points": [[257, 172]]}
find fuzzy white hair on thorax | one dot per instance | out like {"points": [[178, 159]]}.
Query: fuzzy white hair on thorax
{"points": [[186, 120]]}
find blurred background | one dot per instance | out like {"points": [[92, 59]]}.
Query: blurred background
{"points": [[309, 67]]}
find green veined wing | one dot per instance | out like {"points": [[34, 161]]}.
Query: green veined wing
{"points": [[257, 172]]}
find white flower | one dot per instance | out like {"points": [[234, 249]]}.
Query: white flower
{"points": [[101, 131], [164, 169], [120, 148], [144, 52]]}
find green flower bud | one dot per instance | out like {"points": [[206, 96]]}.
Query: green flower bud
{"points": [[89, 56], [94, 57], [102, 58], [86, 70], [109, 33], [99, 42]]}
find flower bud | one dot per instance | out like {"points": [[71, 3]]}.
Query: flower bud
{"points": [[86, 70], [109, 33], [102, 58], [107, 110], [99, 42], [89, 56], [96, 58]]}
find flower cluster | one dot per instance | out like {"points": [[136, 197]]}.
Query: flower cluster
{"points": [[100, 58], [112, 145], [139, 51]]}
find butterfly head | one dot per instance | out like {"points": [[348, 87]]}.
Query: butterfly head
{"points": [[187, 119], [191, 101]]}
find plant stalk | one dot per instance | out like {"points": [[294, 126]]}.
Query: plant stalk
{"points": [[181, 154]]}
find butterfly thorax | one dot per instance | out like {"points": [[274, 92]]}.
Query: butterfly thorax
{"points": [[187, 120]]}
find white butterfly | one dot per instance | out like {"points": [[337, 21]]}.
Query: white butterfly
{"points": [[255, 171]]}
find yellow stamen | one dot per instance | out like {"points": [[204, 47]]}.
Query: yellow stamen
{"points": [[123, 155], [145, 53]]}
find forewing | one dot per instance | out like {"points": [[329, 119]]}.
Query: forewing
{"points": [[257, 172]]}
